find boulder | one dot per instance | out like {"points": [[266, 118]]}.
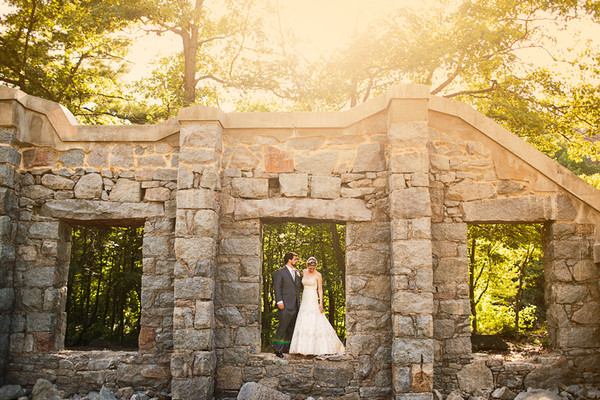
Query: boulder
{"points": [[538, 394], [475, 376], [256, 391], [44, 390], [10, 392]]}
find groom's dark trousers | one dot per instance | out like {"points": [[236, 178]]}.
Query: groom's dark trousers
{"points": [[287, 289]]}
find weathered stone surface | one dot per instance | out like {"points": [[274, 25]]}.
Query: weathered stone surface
{"points": [[39, 158], [197, 288], [548, 376], [210, 178], [197, 339], [410, 161], [325, 187], [408, 302], [538, 394], [10, 155], [205, 315], [72, 158], [43, 230], [122, 156], [37, 192], [243, 159], [43, 390], [201, 135], [411, 134], [277, 161], [195, 248], [320, 163], [241, 246], [293, 185], [585, 270], [412, 351], [193, 156], [195, 198], [368, 261], [411, 254], [256, 391], [518, 208], [98, 157], [7, 135], [240, 293], [338, 210], [229, 316], [410, 203], [57, 182], [249, 188], [199, 223], [475, 376], [11, 392], [157, 194], [126, 190], [468, 190], [89, 187], [164, 174], [369, 157], [89, 210]]}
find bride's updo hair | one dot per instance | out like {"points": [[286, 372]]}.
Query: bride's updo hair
{"points": [[311, 261]]}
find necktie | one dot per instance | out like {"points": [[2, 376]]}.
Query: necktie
{"points": [[293, 275]]}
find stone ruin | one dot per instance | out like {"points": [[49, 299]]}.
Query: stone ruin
{"points": [[405, 172]]}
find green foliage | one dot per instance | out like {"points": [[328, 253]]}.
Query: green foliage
{"points": [[104, 286], [318, 240], [506, 278], [67, 52]]}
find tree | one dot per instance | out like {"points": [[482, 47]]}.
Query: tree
{"points": [[470, 52], [217, 41], [104, 290], [505, 277], [68, 52]]}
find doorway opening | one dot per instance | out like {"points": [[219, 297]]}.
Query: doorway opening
{"points": [[104, 288], [326, 242], [506, 287]]}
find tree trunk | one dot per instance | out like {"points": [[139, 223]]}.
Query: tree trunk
{"points": [[339, 254], [189, 38], [472, 287]]}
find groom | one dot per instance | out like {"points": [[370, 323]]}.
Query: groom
{"points": [[287, 283]]}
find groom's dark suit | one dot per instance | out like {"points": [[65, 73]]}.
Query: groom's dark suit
{"points": [[288, 291]]}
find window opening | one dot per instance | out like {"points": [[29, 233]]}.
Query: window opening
{"points": [[326, 242], [104, 287], [506, 287]]}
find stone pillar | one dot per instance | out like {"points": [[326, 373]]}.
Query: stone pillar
{"points": [[572, 295], [411, 263], [193, 361], [451, 324], [10, 159]]}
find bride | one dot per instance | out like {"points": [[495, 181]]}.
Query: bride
{"points": [[313, 333]]}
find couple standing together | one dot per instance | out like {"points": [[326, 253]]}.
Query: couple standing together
{"points": [[303, 328]]}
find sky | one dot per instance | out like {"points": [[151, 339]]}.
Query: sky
{"points": [[324, 25]]}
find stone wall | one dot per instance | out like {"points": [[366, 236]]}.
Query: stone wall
{"points": [[10, 160], [406, 173]]}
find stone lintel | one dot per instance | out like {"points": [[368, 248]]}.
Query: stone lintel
{"points": [[533, 208], [353, 210], [90, 210]]}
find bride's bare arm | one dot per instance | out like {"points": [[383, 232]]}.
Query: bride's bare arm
{"points": [[320, 291]]}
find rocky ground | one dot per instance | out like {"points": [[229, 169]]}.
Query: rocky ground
{"points": [[44, 390]]}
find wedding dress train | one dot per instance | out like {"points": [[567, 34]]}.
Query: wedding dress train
{"points": [[313, 333]]}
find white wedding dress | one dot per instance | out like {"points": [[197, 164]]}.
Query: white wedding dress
{"points": [[313, 334]]}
